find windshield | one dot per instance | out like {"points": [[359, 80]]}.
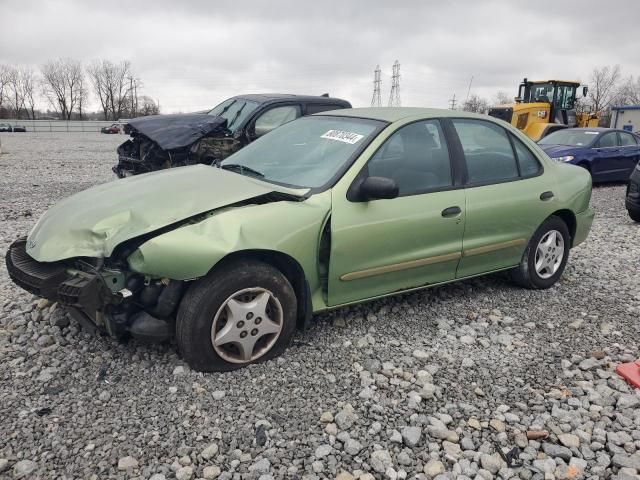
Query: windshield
{"points": [[235, 110], [305, 153], [540, 92], [573, 138]]}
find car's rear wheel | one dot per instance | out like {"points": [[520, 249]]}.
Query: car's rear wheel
{"points": [[546, 255], [240, 314], [635, 215]]}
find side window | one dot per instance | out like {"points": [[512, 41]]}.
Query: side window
{"points": [[626, 139], [275, 117], [321, 107], [416, 157], [608, 140], [487, 151], [529, 165]]}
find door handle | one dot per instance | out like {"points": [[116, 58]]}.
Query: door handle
{"points": [[546, 196], [451, 212]]}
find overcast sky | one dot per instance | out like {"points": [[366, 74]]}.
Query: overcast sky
{"points": [[191, 55]]}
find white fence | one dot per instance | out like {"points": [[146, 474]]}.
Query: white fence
{"points": [[60, 125]]}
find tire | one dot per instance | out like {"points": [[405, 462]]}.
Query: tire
{"points": [[249, 285], [526, 274], [635, 215]]}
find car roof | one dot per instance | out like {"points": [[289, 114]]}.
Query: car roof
{"points": [[274, 97], [394, 114]]}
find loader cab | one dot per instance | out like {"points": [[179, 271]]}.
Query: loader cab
{"points": [[559, 95]]}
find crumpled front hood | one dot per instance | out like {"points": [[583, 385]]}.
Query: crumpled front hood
{"points": [[177, 131], [93, 222]]}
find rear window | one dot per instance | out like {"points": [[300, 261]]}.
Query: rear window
{"points": [[487, 151], [626, 139]]}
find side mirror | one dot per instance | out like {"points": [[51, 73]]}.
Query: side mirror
{"points": [[375, 188], [585, 89]]}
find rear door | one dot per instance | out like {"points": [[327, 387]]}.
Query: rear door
{"points": [[507, 197], [608, 164], [629, 151]]}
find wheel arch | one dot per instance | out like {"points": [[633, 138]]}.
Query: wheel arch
{"points": [[569, 218], [289, 267]]}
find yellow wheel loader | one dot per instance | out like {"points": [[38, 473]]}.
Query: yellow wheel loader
{"points": [[542, 107]]}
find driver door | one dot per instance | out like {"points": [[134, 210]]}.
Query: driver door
{"points": [[383, 246]]}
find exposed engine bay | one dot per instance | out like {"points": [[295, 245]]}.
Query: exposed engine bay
{"points": [[166, 141]]}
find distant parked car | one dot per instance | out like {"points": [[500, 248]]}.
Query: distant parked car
{"points": [[113, 128], [19, 128], [166, 141], [5, 127], [610, 155]]}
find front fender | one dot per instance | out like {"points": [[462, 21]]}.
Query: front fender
{"points": [[191, 251]]}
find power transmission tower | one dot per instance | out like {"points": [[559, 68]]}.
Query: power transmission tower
{"points": [[394, 96], [452, 102], [375, 100]]}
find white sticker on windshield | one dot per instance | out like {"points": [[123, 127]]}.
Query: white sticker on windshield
{"points": [[591, 133], [342, 136]]}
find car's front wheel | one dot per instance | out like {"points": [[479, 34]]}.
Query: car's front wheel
{"points": [[241, 313], [546, 255]]}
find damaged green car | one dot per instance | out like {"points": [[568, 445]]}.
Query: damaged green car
{"points": [[325, 211]]}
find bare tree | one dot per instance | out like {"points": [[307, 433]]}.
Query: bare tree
{"points": [[603, 88], [502, 98], [112, 85], [148, 106], [476, 104], [4, 84], [28, 80], [62, 82], [629, 93]]}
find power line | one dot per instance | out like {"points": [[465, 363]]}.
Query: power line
{"points": [[375, 100], [394, 95]]}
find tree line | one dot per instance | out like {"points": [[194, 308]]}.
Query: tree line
{"points": [[607, 88], [65, 86]]}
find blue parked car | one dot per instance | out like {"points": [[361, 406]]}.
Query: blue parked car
{"points": [[610, 155]]}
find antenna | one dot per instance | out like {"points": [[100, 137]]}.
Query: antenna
{"points": [[375, 100], [452, 102], [394, 95]]}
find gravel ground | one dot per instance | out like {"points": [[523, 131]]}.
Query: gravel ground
{"points": [[428, 385]]}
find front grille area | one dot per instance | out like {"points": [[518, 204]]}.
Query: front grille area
{"points": [[40, 278]]}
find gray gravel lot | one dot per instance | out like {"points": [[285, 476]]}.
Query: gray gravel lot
{"points": [[427, 385]]}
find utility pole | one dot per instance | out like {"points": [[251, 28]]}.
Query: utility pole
{"points": [[452, 102], [375, 100], [394, 95]]}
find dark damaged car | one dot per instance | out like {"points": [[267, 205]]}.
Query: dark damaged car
{"points": [[165, 141]]}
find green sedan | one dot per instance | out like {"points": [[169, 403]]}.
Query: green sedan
{"points": [[328, 210]]}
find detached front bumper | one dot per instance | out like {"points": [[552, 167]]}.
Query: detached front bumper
{"points": [[87, 296], [84, 294]]}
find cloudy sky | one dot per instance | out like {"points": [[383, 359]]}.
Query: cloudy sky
{"points": [[190, 55]]}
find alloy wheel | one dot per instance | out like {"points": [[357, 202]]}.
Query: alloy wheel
{"points": [[549, 254], [247, 325]]}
